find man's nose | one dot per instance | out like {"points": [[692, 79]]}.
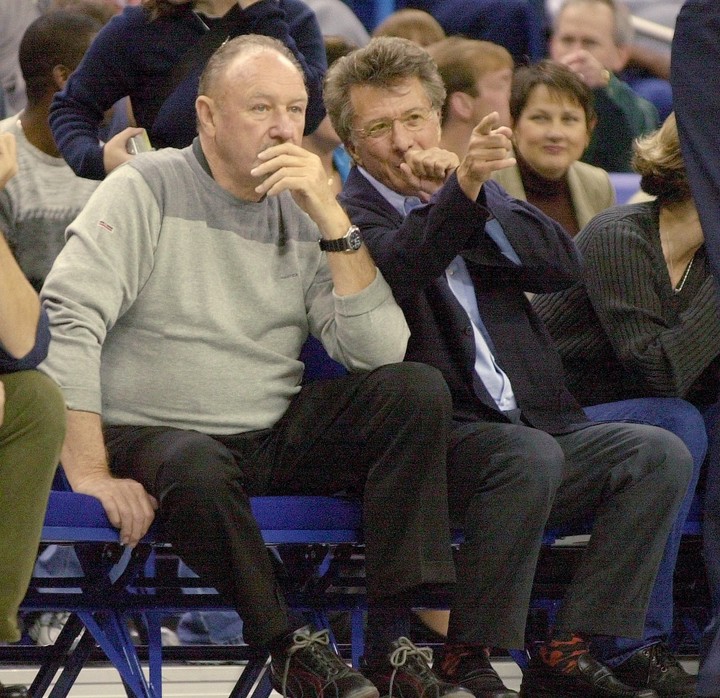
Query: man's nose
{"points": [[284, 126], [401, 137]]}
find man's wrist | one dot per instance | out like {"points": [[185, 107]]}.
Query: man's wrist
{"points": [[332, 222]]}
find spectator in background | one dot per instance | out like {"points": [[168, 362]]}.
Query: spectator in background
{"points": [[416, 25], [15, 17], [648, 67], [477, 76], [46, 195], [514, 24], [695, 79], [592, 38], [639, 336], [32, 426], [336, 19], [154, 54], [552, 122]]}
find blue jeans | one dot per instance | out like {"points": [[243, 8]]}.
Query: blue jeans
{"points": [[685, 421]]}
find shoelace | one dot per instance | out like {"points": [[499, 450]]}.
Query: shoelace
{"points": [[399, 656], [303, 638]]}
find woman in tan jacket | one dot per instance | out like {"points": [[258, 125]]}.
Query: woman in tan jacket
{"points": [[552, 120]]}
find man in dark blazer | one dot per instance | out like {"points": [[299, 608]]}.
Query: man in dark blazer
{"points": [[460, 265]]}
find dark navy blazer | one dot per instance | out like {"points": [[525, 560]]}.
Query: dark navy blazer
{"points": [[414, 252]]}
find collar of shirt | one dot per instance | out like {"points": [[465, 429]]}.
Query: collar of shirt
{"points": [[200, 155]]}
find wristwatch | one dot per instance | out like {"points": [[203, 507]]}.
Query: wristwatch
{"points": [[350, 242]]}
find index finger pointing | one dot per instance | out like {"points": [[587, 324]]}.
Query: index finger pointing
{"points": [[487, 124]]}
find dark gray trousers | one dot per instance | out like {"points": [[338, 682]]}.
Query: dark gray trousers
{"points": [[381, 436], [507, 482]]}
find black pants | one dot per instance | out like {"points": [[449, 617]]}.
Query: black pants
{"points": [[507, 482], [381, 435]]}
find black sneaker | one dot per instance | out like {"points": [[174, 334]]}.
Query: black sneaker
{"points": [[655, 667], [472, 670], [308, 668], [591, 679], [405, 673]]}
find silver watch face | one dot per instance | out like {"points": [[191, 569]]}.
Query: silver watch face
{"points": [[354, 239]]}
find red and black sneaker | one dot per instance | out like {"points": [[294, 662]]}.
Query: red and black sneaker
{"points": [[308, 668], [405, 673]]}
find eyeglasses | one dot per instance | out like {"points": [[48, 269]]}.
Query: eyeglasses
{"points": [[414, 120]]}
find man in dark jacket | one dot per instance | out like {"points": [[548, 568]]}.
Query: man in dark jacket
{"points": [[460, 265], [695, 80]]}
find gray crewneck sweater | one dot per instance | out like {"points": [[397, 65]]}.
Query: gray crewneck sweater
{"points": [[175, 303]]}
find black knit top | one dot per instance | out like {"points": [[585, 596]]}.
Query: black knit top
{"points": [[551, 196], [624, 332]]}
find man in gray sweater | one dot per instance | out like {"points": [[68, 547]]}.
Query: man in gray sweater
{"points": [[178, 309]]}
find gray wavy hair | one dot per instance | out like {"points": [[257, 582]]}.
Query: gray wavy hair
{"points": [[383, 63]]}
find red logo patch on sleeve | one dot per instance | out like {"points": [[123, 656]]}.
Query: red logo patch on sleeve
{"points": [[105, 225]]}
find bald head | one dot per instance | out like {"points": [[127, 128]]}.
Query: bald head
{"points": [[228, 57]]}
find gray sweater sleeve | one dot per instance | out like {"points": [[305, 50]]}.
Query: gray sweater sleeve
{"points": [[96, 278], [628, 284]]}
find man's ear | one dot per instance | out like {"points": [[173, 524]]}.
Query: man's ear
{"points": [[205, 110], [60, 75], [460, 105], [353, 153]]}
